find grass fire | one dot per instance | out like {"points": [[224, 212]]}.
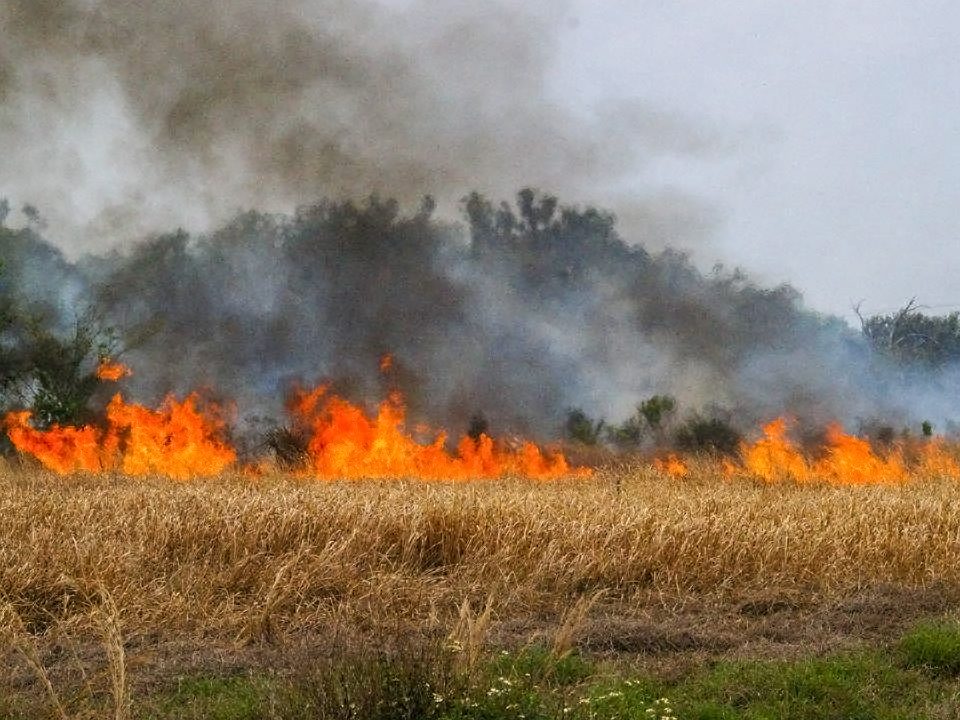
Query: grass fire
{"points": [[485, 532], [407, 360]]}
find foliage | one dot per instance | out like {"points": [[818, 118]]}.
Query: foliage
{"points": [[627, 434], [62, 371], [913, 339], [869, 685], [580, 427], [289, 447], [47, 364], [656, 409], [651, 417], [711, 435]]}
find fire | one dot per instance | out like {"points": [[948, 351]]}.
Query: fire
{"points": [[845, 460], [63, 450], [851, 460], [672, 466], [936, 460], [773, 457], [112, 371], [186, 439], [178, 440], [346, 443]]}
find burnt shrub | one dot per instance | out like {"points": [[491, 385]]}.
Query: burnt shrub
{"points": [[289, 447]]}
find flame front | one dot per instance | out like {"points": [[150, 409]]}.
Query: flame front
{"points": [[773, 457], [186, 439], [178, 440], [62, 449], [346, 443], [845, 460]]}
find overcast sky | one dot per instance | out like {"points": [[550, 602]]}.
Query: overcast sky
{"points": [[812, 142], [844, 121]]}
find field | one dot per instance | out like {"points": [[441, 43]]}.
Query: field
{"points": [[278, 597]]}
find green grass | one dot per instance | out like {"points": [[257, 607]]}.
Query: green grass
{"points": [[213, 698], [934, 646], [914, 679], [854, 687], [873, 685]]}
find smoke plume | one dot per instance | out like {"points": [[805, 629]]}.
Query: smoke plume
{"points": [[119, 119], [124, 120]]}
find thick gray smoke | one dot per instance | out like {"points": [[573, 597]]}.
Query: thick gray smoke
{"points": [[122, 118], [519, 313], [125, 119]]}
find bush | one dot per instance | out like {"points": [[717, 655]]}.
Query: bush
{"points": [[708, 435], [657, 409], [580, 427], [650, 417], [51, 373], [289, 447]]}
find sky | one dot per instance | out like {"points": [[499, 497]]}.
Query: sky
{"points": [[814, 143], [841, 166]]}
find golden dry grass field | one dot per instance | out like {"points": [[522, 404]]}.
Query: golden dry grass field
{"points": [[245, 572]]}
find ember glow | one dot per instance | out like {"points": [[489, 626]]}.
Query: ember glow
{"points": [[112, 371], [347, 443]]}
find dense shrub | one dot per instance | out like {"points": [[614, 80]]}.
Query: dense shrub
{"points": [[712, 435]]}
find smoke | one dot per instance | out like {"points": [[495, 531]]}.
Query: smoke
{"points": [[519, 312], [120, 119]]}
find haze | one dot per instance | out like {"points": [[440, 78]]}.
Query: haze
{"points": [[814, 143]]}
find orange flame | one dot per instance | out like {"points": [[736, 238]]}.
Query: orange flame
{"points": [[846, 459], [773, 457], [850, 460], [62, 449], [178, 440], [935, 460], [672, 466], [346, 443], [112, 371]]}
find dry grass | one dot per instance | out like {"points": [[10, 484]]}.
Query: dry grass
{"points": [[243, 560], [111, 587]]}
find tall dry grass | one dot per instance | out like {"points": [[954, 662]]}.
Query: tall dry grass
{"points": [[252, 559]]}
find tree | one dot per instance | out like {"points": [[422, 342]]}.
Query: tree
{"points": [[62, 371], [912, 339], [51, 373], [651, 417], [711, 435], [580, 427]]}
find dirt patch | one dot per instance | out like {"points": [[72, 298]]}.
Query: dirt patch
{"points": [[647, 638]]}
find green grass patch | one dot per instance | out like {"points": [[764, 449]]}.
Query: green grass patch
{"points": [[538, 664], [214, 698], [934, 646], [854, 687], [916, 679]]}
